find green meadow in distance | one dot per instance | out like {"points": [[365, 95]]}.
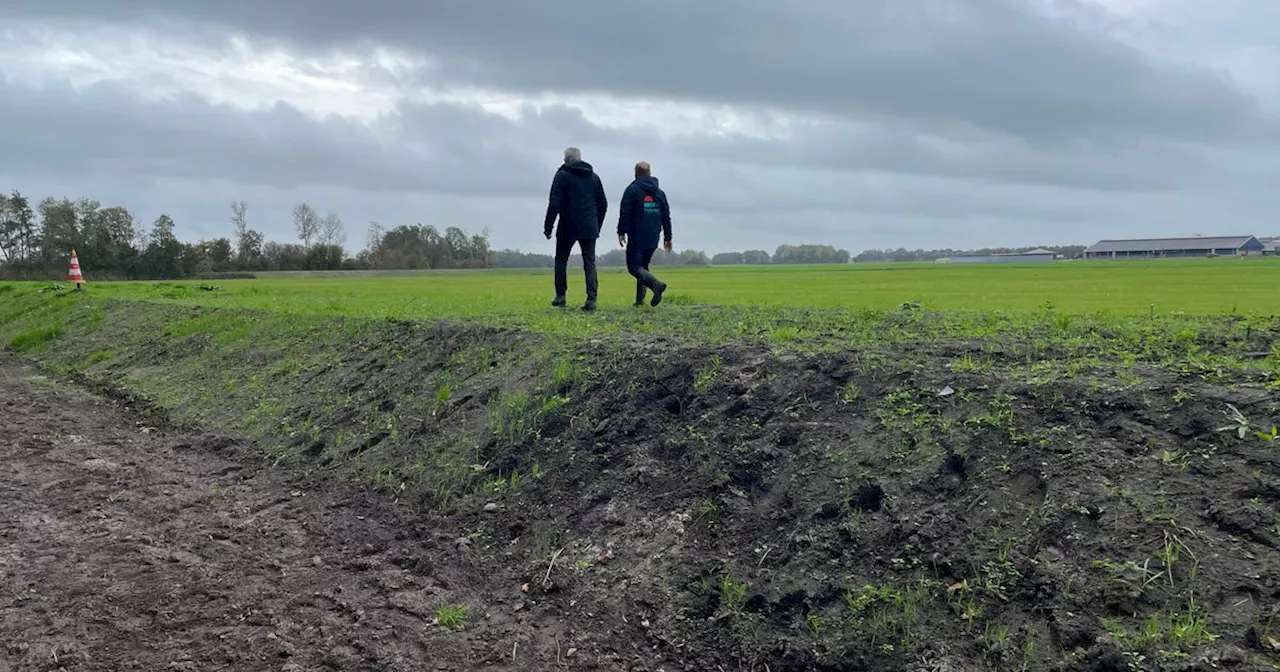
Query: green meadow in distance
{"points": [[1194, 286]]}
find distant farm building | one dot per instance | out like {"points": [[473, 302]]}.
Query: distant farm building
{"points": [[1198, 246], [1038, 254]]}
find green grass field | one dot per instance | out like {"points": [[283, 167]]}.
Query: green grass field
{"points": [[1202, 287]]}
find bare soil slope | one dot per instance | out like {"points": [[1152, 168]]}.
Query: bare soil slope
{"points": [[123, 547]]}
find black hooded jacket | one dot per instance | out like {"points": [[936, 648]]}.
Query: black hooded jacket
{"points": [[644, 213], [577, 197]]}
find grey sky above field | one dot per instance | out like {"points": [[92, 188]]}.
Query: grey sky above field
{"points": [[866, 124]]}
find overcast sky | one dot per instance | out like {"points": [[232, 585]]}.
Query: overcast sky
{"points": [[861, 123]]}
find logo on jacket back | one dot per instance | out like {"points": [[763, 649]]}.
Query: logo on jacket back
{"points": [[650, 206]]}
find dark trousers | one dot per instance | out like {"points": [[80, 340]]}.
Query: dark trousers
{"points": [[588, 247], [638, 259]]}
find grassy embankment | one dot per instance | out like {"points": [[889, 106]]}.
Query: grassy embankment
{"points": [[1005, 481]]}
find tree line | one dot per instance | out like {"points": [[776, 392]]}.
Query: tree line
{"points": [[36, 240], [784, 254], [902, 254]]}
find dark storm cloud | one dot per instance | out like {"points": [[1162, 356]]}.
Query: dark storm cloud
{"points": [[1001, 65]]}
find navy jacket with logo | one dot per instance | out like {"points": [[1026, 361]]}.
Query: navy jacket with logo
{"points": [[644, 213]]}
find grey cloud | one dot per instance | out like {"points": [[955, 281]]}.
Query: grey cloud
{"points": [[108, 129], [899, 148], [1000, 65], [459, 149], [455, 164]]}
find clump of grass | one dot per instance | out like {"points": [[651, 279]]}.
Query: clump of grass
{"points": [[451, 616], [34, 338], [814, 622], [564, 375], [887, 611], [443, 394], [850, 392], [733, 594], [705, 509], [704, 378], [785, 334], [1181, 630], [515, 417]]}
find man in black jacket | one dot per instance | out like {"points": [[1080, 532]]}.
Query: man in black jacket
{"points": [[577, 197], [642, 215]]}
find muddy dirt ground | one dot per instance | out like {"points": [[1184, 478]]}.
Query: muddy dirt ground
{"points": [[123, 547]]}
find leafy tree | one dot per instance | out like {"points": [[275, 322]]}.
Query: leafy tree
{"points": [[810, 254], [518, 259], [22, 228], [59, 229], [164, 256], [249, 255], [728, 258], [218, 251], [107, 236], [420, 246], [324, 258], [284, 256]]}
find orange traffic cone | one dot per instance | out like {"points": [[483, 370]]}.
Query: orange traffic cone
{"points": [[73, 275]]}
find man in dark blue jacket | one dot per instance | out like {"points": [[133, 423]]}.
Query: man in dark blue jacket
{"points": [[643, 214], [577, 197]]}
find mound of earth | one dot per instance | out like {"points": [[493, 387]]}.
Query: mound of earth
{"points": [[815, 513]]}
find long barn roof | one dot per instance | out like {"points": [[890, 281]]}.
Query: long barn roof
{"points": [[1168, 244]]}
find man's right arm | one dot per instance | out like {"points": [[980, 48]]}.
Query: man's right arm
{"points": [[666, 218], [602, 204], [553, 203]]}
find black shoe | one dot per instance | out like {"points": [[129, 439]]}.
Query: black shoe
{"points": [[558, 302], [657, 294], [589, 306]]}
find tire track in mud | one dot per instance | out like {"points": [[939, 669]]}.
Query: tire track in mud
{"points": [[126, 548]]}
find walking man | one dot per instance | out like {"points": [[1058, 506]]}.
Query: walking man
{"points": [[577, 198], [643, 214]]}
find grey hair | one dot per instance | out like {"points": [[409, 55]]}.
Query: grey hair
{"points": [[572, 154]]}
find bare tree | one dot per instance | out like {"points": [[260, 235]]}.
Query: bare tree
{"points": [[8, 231], [331, 230], [374, 237], [306, 223], [239, 219]]}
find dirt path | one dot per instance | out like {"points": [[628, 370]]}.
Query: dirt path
{"points": [[122, 548]]}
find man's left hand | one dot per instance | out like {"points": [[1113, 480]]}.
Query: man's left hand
{"points": [[666, 245], [547, 233], [622, 240]]}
